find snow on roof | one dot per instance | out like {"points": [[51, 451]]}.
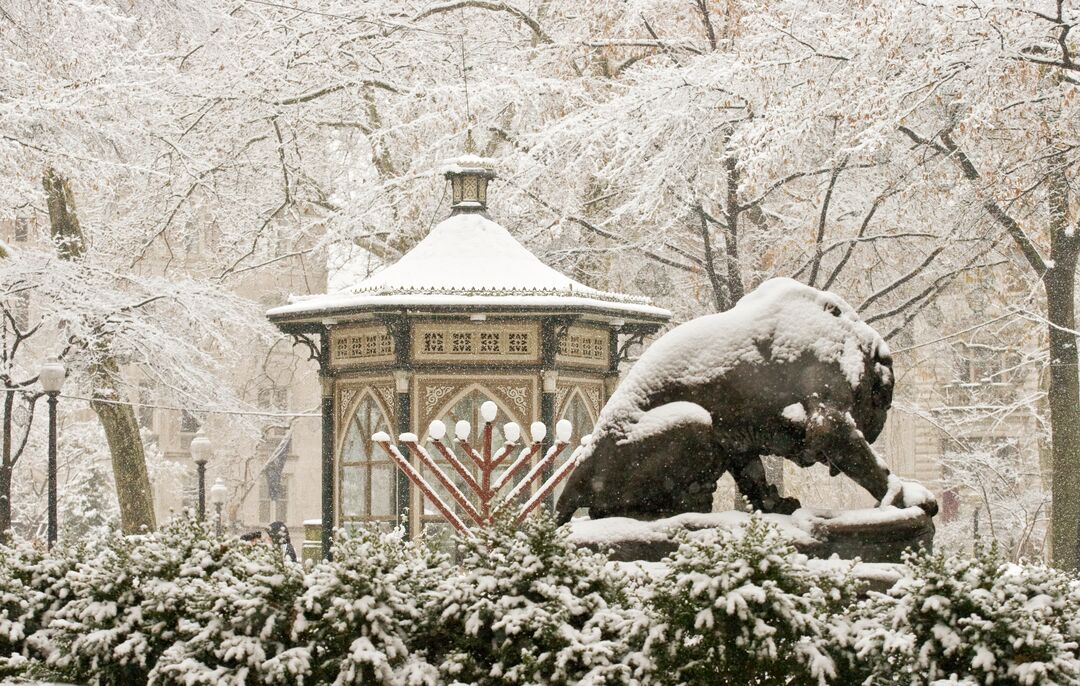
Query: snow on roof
{"points": [[469, 260]]}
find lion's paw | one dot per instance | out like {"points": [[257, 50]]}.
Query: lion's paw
{"points": [[905, 493]]}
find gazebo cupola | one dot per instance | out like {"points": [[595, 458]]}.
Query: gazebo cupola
{"points": [[467, 315], [469, 177]]}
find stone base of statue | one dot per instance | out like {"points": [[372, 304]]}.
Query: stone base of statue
{"points": [[879, 534]]}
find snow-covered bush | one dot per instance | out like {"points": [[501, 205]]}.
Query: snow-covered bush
{"points": [[529, 607], [357, 613], [978, 620], [237, 628], [31, 590], [745, 609], [20, 604], [122, 604]]}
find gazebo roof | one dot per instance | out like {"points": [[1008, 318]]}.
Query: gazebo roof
{"points": [[468, 262]]}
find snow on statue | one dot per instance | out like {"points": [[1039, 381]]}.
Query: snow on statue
{"points": [[789, 371]]}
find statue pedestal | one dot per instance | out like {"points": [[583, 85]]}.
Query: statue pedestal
{"points": [[879, 534]]}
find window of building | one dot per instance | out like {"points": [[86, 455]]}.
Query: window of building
{"points": [[189, 423], [19, 308], [274, 509], [276, 398], [577, 411], [146, 398], [22, 230], [985, 364], [368, 478]]}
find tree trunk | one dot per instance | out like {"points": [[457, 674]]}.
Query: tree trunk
{"points": [[6, 466], [1064, 394], [1064, 401], [128, 458], [119, 422]]}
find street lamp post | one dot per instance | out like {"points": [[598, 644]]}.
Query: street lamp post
{"points": [[218, 493], [51, 378], [200, 452]]}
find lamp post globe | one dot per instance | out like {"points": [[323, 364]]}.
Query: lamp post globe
{"points": [[51, 377], [219, 492], [200, 453]]}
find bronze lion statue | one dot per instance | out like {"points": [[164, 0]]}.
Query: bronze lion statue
{"points": [[789, 371]]}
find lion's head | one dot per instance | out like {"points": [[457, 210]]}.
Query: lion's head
{"points": [[803, 320]]}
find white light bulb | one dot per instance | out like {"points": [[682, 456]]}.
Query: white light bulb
{"points": [[462, 429], [488, 411], [436, 430], [563, 430], [538, 431], [511, 432]]}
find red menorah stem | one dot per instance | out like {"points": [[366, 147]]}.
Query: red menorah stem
{"points": [[471, 452], [445, 480], [516, 466], [497, 459], [535, 472], [548, 486], [485, 475], [422, 483], [458, 465]]}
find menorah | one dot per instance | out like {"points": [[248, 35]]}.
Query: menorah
{"points": [[487, 507]]}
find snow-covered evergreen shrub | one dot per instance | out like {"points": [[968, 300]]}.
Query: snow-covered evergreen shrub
{"points": [[237, 628], [31, 590], [357, 613], [529, 607], [745, 609], [123, 604], [18, 602], [975, 620]]}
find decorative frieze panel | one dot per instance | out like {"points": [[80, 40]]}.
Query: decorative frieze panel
{"points": [[584, 346], [368, 345], [436, 393], [476, 342]]}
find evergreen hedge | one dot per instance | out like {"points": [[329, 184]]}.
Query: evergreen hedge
{"points": [[522, 607]]}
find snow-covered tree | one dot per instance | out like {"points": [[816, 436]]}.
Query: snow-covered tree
{"points": [[980, 618], [527, 606], [358, 614], [746, 608], [237, 620]]}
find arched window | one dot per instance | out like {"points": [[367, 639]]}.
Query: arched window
{"points": [[368, 477], [466, 407], [577, 411]]}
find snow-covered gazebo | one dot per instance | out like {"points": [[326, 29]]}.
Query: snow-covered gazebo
{"points": [[468, 315]]}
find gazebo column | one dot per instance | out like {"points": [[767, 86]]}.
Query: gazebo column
{"points": [[401, 331], [327, 381], [402, 384], [611, 378], [549, 377]]}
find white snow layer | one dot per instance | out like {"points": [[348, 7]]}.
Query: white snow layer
{"points": [[468, 259], [805, 526], [792, 317], [660, 419]]}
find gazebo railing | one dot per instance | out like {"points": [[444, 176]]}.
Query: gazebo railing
{"points": [[485, 504]]}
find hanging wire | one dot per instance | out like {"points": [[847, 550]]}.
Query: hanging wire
{"points": [[193, 410]]}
